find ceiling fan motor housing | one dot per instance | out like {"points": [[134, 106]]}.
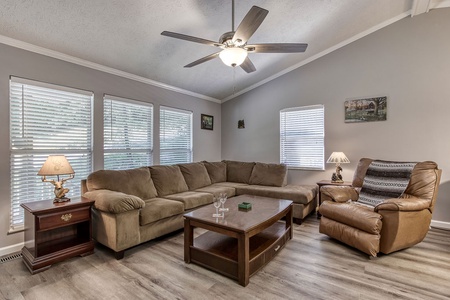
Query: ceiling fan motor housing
{"points": [[226, 39]]}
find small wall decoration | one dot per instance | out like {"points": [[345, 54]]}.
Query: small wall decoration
{"points": [[207, 122], [365, 110], [241, 124]]}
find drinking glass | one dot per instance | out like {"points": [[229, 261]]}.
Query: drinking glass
{"points": [[216, 202], [223, 199]]}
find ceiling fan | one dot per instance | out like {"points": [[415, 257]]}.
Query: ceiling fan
{"points": [[234, 43]]}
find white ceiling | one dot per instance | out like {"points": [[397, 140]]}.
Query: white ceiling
{"points": [[125, 35]]}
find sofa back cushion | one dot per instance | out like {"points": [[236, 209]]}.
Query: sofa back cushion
{"points": [[135, 182], [217, 171], [238, 171], [195, 175], [168, 180], [269, 174]]}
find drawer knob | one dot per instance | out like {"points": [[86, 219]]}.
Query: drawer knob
{"points": [[66, 217], [277, 248]]}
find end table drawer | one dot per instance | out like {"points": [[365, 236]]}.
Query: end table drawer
{"points": [[63, 218]]}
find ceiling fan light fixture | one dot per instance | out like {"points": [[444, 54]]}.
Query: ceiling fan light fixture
{"points": [[233, 56]]}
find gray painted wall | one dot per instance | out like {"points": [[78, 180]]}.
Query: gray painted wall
{"points": [[29, 65], [407, 61]]}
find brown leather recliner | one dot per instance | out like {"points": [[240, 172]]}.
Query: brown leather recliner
{"points": [[394, 224]]}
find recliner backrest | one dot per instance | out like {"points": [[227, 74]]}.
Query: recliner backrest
{"points": [[423, 183], [360, 172]]}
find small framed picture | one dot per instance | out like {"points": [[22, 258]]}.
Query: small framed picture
{"points": [[207, 122]]}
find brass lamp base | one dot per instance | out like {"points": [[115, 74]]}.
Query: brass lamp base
{"points": [[59, 200], [336, 179]]}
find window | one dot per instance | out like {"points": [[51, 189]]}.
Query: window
{"points": [[128, 127], [175, 136], [302, 137], [46, 119]]}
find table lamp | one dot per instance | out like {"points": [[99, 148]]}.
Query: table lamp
{"points": [[57, 165], [338, 158]]}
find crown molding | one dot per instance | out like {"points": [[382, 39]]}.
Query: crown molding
{"points": [[85, 63], [320, 54]]}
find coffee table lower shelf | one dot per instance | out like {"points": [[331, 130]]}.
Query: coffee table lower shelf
{"points": [[219, 252]]}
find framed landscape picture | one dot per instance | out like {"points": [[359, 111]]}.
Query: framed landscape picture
{"points": [[207, 122], [366, 110]]}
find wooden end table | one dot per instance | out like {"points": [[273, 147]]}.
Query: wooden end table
{"points": [[56, 231], [328, 182]]}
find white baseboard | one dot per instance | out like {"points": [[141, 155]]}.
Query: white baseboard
{"points": [[440, 225], [11, 249]]}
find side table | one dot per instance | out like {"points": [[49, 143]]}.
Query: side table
{"points": [[328, 182], [56, 231]]}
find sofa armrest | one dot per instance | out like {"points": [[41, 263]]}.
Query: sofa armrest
{"points": [[114, 202], [403, 204], [339, 193]]}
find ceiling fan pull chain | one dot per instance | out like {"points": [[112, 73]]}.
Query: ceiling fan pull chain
{"points": [[234, 78]]}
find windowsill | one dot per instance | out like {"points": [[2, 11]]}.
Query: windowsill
{"points": [[16, 230], [305, 169]]}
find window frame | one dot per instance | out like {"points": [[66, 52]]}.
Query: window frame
{"points": [[283, 159], [27, 154], [190, 150], [149, 149]]}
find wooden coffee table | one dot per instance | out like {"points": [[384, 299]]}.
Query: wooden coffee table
{"points": [[242, 242]]}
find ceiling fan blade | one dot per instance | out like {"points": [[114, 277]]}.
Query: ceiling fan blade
{"points": [[202, 60], [248, 66], [250, 23], [277, 48], [189, 38]]}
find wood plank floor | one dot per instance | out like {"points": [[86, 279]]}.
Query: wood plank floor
{"points": [[311, 266]]}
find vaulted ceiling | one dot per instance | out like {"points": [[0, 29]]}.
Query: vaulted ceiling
{"points": [[124, 37]]}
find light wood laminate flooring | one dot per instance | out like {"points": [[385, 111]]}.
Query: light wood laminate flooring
{"points": [[311, 266]]}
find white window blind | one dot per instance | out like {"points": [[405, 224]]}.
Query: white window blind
{"points": [[175, 136], [302, 137], [128, 137], [46, 119]]}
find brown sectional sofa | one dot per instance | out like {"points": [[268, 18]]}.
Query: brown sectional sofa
{"points": [[135, 206]]}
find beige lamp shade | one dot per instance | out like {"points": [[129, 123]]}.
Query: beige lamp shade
{"points": [[338, 158], [56, 165]]}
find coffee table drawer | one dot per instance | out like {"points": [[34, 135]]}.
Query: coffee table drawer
{"points": [[258, 261], [68, 217]]}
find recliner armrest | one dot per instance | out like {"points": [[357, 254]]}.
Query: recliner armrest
{"points": [[410, 203], [339, 193], [114, 202]]}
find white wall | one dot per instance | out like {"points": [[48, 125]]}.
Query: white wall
{"points": [[29, 65], [408, 61]]}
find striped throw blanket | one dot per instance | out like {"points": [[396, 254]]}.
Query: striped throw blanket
{"points": [[384, 180]]}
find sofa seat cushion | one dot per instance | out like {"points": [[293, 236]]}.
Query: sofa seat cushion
{"points": [[217, 189], [269, 174], [192, 199], [195, 175], [302, 194], [114, 202], [238, 171], [231, 184], [135, 182], [217, 171], [159, 208], [168, 180], [352, 214]]}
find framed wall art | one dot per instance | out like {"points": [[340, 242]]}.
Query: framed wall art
{"points": [[207, 122], [365, 110]]}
